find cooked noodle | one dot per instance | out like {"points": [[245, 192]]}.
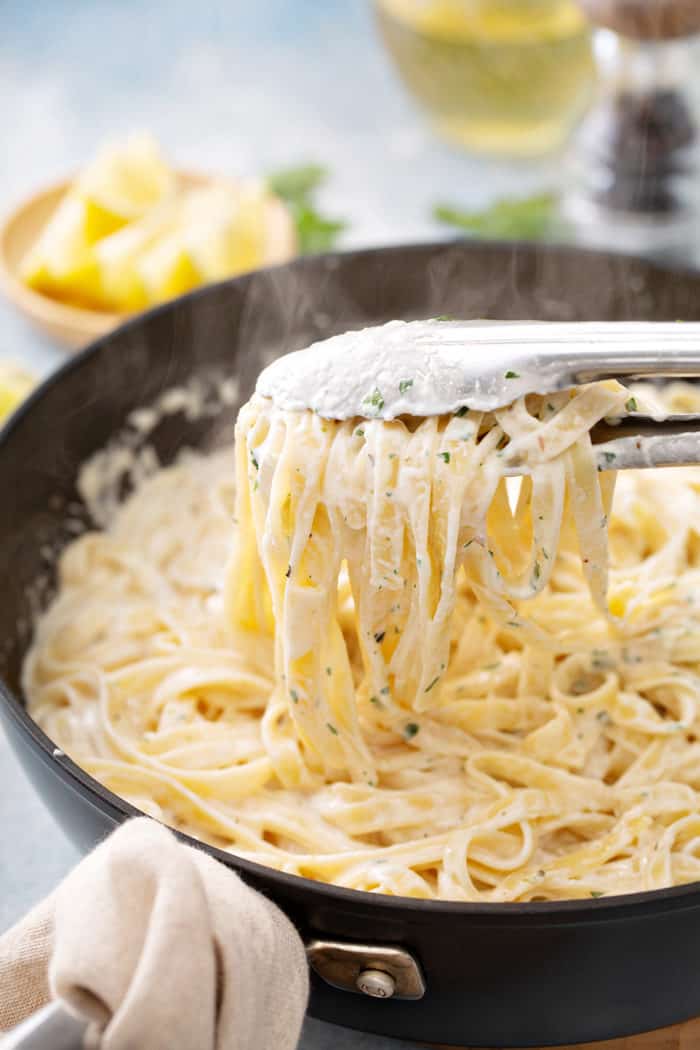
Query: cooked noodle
{"points": [[399, 684]]}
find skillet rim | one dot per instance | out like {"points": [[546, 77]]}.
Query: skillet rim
{"points": [[619, 906]]}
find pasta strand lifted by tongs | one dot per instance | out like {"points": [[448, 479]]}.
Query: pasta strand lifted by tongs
{"points": [[387, 451]]}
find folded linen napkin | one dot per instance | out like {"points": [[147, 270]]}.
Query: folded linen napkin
{"points": [[158, 946]]}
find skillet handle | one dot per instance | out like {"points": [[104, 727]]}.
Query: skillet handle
{"points": [[51, 1028], [380, 971]]}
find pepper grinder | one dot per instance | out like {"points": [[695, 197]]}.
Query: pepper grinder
{"points": [[636, 157]]}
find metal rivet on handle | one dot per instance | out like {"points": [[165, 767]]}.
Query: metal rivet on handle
{"points": [[376, 983], [381, 971]]}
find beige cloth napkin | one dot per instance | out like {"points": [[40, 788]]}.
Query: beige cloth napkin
{"points": [[159, 946]]}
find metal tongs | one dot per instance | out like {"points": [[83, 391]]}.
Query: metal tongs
{"points": [[542, 357], [438, 367]]}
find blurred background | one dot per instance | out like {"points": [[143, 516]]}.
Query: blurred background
{"points": [[406, 120]]}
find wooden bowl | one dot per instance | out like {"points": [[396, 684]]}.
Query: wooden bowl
{"points": [[74, 326]]}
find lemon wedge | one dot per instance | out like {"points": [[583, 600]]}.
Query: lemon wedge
{"points": [[121, 184], [15, 384], [126, 180], [224, 228], [122, 286], [130, 233], [168, 269], [62, 263]]}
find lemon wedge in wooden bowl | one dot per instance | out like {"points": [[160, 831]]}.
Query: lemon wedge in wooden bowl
{"points": [[80, 257]]}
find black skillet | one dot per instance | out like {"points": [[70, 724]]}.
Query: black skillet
{"points": [[486, 975]]}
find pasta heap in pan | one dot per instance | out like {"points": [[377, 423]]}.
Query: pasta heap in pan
{"points": [[400, 683]]}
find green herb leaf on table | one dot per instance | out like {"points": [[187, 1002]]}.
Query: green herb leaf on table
{"points": [[528, 218], [296, 184], [315, 233], [297, 188]]}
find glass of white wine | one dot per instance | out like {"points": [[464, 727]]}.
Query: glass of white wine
{"points": [[510, 77]]}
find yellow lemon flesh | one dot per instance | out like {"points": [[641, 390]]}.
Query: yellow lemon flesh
{"points": [[225, 228], [127, 180], [126, 235], [167, 269], [62, 263], [122, 184], [118, 256], [15, 384]]}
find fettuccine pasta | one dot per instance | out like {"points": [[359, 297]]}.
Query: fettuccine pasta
{"points": [[408, 677]]}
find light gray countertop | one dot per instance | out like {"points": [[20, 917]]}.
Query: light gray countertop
{"points": [[228, 86]]}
